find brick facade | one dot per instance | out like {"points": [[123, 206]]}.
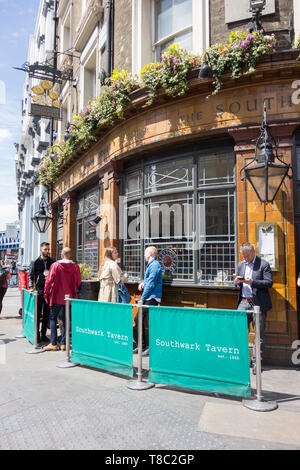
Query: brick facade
{"points": [[123, 35], [277, 23]]}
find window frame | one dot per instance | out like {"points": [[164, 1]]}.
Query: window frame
{"points": [[157, 43], [143, 31], [196, 190], [82, 220]]}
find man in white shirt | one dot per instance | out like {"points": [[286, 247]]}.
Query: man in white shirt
{"points": [[254, 277]]}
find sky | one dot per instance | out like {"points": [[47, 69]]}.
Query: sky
{"points": [[17, 23]]}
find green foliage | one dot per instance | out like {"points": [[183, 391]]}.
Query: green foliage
{"points": [[85, 272], [171, 73], [239, 55]]}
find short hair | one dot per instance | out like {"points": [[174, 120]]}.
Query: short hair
{"points": [[44, 244], [246, 247], [67, 251], [152, 250]]}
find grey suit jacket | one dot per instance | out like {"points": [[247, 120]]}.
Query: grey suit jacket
{"points": [[262, 281]]}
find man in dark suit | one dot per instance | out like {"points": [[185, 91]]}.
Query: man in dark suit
{"points": [[254, 278], [38, 272]]}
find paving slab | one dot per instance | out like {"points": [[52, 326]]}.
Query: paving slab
{"points": [[43, 407], [280, 426]]}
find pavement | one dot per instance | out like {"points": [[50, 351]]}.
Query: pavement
{"points": [[43, 407]]}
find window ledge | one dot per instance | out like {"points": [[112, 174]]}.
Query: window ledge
{"points": [[194, 286]]}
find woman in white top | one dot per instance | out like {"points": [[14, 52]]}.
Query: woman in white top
{"points": [[110, 275]]}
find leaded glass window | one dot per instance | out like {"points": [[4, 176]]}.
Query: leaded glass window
{"points": [[169, 175], [87, 233], [185, 206]]}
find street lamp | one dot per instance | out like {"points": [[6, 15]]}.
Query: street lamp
{"points": [[265, 176], [67, 135], [205, 70], [42, 219], [256, 8]]}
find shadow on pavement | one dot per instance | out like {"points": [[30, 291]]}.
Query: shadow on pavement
{"points": [[6, 341]]}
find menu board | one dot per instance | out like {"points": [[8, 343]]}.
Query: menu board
{"points": [[266, 243]]}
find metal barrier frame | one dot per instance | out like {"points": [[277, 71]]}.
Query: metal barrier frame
{"points": [[21, 336], [258, 404], [36, 348]]}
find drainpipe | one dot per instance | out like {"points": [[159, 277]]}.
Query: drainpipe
{"points": [[109, 7], [55, 19]]}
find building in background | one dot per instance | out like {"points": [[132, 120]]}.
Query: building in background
{"points": [[9, 243], [35, 138], [180, 153]]}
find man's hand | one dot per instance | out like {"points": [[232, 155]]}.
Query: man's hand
{"points": [[141, 286], [239, 280]]}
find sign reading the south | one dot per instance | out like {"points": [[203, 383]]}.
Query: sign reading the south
{"points": [[168, 260]]}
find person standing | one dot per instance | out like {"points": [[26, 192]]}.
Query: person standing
{"points": [[38, 273], [64, 279], [14, 274], [4, 275], [152, 290], [110, 275], [254, 278]]}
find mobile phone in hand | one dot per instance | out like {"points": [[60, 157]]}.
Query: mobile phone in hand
{"points": [[241, 278]]}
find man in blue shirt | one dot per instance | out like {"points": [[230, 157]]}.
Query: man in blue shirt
{"points": [[254, 278], [152, 289]]}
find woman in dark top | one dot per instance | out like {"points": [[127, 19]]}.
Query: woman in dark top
{"points": [[3, 283]]}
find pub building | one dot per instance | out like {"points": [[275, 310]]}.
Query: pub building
{"points": [[171, 176]]}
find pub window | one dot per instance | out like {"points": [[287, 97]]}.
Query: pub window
{"points": [[185, 206], [173, 23], [87, 245]]}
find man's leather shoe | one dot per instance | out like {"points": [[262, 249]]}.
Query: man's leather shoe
{"points": [[51, 347]]}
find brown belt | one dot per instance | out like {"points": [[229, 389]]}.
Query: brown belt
{"points": [[247, 299]]}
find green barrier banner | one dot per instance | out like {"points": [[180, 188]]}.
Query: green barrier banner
{"points": [[28, 329], [102, 335], [201, 349]]}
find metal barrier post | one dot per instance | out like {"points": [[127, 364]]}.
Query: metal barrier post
{"points": [[22, 306], [139, 384], [67, 363], [36, 348], [259, 404]]}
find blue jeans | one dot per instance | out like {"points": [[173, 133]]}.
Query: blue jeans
{"points": [[55, 312]]}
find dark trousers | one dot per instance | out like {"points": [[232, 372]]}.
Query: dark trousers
{"points": [[145, 343], [57, 311], [43, 315], [244, 305], [2, 294]]}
